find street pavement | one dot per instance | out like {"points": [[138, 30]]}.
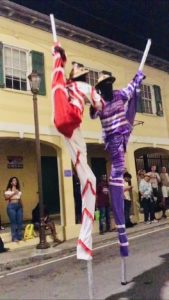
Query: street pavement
{"points": [[66, 278], [25, 252]]}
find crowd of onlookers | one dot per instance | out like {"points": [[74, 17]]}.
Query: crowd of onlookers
{"points": [[153, 192], [153, 196]]}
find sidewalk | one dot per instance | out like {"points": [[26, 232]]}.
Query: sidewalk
{"points": [[29, 254]]}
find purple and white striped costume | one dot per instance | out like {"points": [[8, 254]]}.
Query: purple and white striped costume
{"points": [[117, 123]]}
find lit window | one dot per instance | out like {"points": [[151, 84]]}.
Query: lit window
{"points": [[15, 68]]}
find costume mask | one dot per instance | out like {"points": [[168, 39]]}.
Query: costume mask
{"points": [[106, 90]]}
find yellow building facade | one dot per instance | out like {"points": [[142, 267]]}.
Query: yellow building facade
{"points": [[17, 139]]}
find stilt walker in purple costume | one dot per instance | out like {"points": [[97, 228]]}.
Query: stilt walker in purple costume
{"points": [[116, 128], [117, 120]]}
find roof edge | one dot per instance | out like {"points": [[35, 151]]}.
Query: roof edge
{"points": [[41, 21]]}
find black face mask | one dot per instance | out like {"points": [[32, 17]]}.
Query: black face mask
{"points": [[106, 90], [82, 78]]}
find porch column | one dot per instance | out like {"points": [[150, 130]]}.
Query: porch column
{"points": [[131, 167], [68, 198]]}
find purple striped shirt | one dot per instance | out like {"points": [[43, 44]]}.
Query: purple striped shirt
{"points": [[113, 116]]}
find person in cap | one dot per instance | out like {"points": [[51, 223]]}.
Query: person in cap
{"points": [[69, 97], [117, 119], [146, 191]]}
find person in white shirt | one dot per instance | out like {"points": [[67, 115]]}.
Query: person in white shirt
{"points": [[165, 189], [14, 208], [145, 189], [154, 180]]}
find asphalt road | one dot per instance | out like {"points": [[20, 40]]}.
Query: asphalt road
{"points": [[147, 273]]}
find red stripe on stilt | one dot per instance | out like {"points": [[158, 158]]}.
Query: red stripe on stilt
{"points": [[86, 187], [84, 246], [85, 211], [77, 159]]}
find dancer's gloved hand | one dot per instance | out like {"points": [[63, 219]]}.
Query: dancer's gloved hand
{"points": [[138, 74], [92, 110], [61, 51]]}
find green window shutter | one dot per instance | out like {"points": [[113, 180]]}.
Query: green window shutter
{"points": [[139, 103], [157, 93], [38, 65], [1, 66]]}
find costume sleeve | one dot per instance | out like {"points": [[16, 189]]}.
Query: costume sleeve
{"points": [[89, 92], [128, 92], [95, 99], [94, 113]]}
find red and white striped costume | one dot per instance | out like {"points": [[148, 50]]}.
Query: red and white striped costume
{"points": [[70, 94]]}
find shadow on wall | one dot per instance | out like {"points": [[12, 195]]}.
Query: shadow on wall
{"points": [[150, 285]]}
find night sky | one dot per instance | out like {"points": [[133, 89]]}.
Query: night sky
{"points": [[129, 22]]}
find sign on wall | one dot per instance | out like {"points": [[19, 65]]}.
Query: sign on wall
{"points": [[15, 162], [67, 173]]}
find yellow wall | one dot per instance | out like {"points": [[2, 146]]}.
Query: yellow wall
{"points": [[16, 107], [20, 103]]}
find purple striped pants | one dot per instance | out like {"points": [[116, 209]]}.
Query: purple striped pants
{"points": [[116, 145]]}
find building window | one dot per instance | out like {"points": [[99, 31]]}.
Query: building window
{"points": [[15, 68], [92, 76], [148, 99]]}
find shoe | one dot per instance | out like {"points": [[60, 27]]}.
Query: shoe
{"points": [[101, 233], [154, 221], [148, 222], [123, 282], [129, 225], [4, 250], [57, 241], [109, 230], [2, 228]]}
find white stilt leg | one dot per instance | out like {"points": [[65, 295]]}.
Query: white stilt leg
{"points": [[53, 27], [144, 57], [123, 271], [90, 278]]}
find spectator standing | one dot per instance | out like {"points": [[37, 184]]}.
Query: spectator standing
{"points": [[165, 189], [14, 208], [140, 175], [128, 176], [127, 199], [102, 203], [154, 180], [145, 189]]}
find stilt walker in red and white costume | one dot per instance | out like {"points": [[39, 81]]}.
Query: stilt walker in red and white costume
{"points": [[68, 97]]}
